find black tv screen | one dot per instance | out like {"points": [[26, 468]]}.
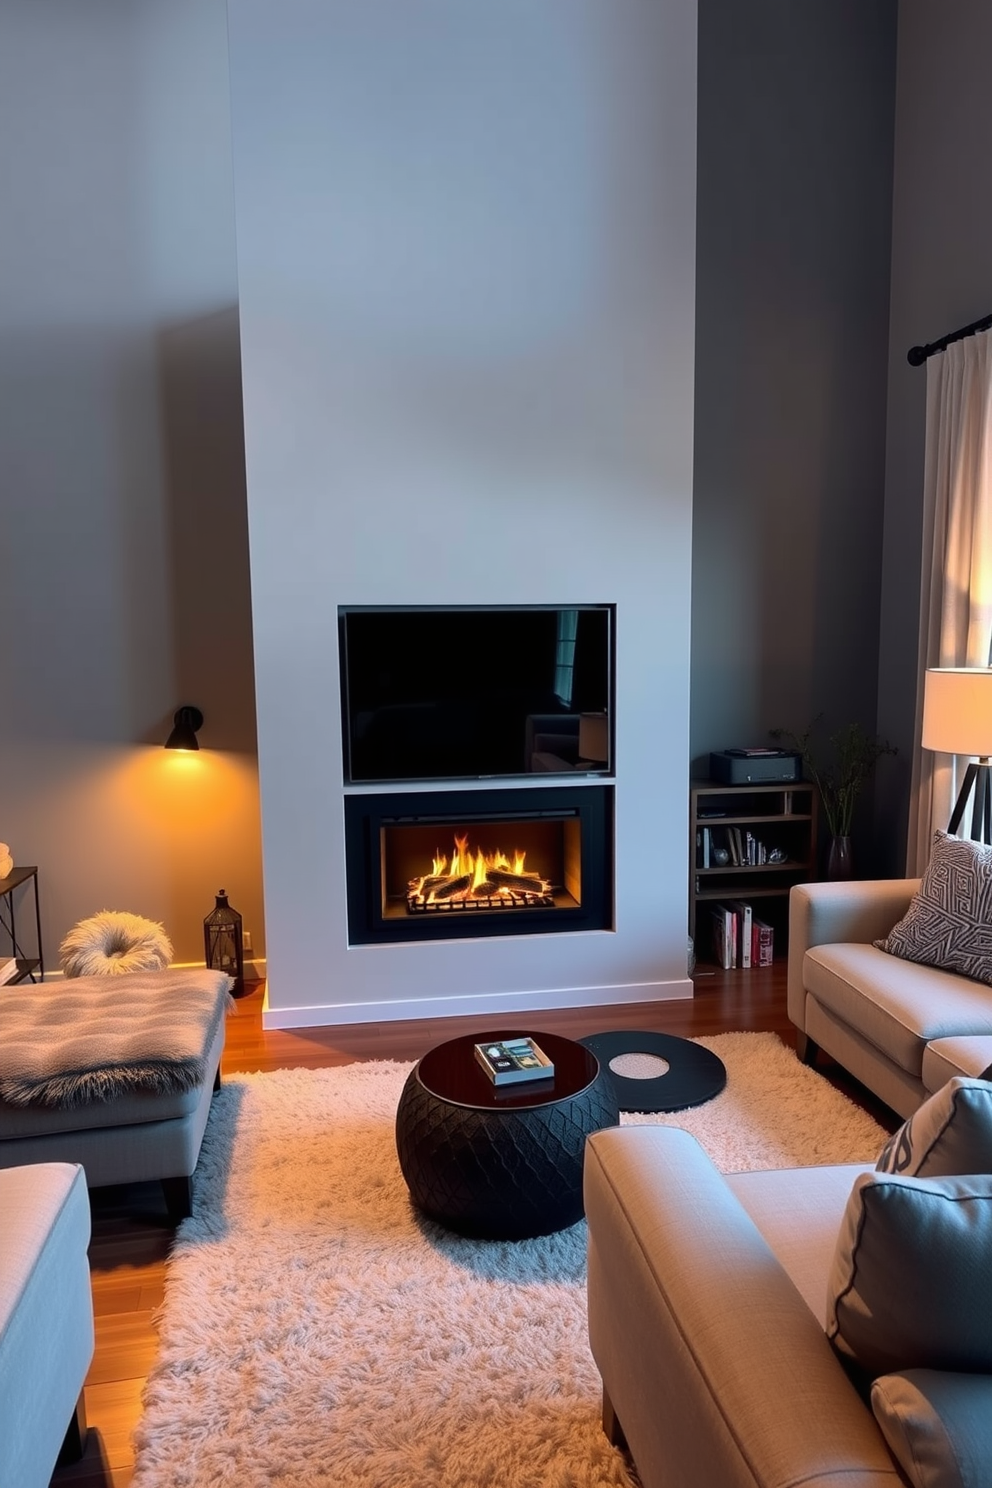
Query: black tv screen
{"points": [[475, 692]]}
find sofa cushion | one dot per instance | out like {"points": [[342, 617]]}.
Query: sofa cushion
{"points": [[909, 1284], [898, 1006], [949, 920], [798, 1212], [938, 1425], [968, 1054], [950, 1133]]}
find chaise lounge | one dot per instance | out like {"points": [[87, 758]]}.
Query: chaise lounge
{"points": [[127, 1095]]}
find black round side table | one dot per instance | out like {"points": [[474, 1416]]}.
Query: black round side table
{"points": [[501, 1162]]}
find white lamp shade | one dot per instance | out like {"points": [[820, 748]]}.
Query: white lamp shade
{"points": [[957, 710]]}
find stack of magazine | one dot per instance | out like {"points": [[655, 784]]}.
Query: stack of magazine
{"points": [[507, 1061]]}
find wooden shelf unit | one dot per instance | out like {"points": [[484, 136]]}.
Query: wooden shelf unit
{"points": [[779, 816], [30, 967]]}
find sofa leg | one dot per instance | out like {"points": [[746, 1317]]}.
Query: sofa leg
{"points": [[74, 1442], [806, 1050], [178, 1197], [611, 1424]]}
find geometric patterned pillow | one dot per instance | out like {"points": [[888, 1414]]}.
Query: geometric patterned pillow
{"points": [[949, 921], [950, 1133]]}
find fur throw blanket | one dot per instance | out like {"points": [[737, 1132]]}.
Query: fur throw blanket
{"points": [[96, 1038]]}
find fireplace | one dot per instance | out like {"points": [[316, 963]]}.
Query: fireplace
{"points": [[470, 863]]}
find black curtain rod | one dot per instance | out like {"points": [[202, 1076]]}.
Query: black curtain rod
{"points": [[917, 355]]}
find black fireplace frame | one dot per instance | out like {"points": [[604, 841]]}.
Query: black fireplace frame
{"points": [[367, 813]]}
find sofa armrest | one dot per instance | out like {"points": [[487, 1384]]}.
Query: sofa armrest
{"points": [[861, 910], [717, 1369]]}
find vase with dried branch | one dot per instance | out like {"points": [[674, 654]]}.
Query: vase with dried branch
{"points": [[840, 775]]}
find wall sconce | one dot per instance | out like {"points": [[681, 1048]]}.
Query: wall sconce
{"points": [[957, 719], [185, 725]]}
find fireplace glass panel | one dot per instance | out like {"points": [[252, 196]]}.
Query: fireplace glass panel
{"points": [[481, 867]]}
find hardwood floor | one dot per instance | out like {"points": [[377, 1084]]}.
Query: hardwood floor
{"points": [[132, 1236]]}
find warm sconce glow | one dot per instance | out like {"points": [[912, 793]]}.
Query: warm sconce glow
{"points": [[185, 724]]}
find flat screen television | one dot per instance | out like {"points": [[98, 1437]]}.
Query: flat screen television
{"points": [[476, 692]]}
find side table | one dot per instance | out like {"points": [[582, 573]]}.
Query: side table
{"points": [[32, 967], [501, 1162]]}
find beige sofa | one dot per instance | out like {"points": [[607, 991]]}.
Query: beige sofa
{"points": [[707, 1304], [900, 1028]]}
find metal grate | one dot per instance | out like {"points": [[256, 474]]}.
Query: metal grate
{"points": [[416, 905]]}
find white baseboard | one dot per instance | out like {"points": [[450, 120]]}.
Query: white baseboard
{"points": [[505, 1005]]}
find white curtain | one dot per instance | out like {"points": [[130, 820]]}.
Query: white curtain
{"points": [[956, 592]]}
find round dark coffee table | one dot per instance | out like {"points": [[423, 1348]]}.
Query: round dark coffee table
{"points": [[501, 1162], [694, 1074]]}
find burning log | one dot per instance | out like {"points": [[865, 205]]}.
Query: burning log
{"points": [[453, 886], [516, 883], [426, 885], [484, 890]]}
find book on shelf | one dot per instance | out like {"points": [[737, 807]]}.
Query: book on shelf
{"points": [[744, 917], [762, 943], [720, 936], [726, 936], [8, 970], [511, 1061]]}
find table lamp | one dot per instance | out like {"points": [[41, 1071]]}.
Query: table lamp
{"points": [[957, 719]]}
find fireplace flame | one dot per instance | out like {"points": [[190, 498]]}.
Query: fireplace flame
{"points": [[477, 876]]}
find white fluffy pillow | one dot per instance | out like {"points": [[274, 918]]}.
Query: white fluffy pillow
{"points": [[114, 942]]}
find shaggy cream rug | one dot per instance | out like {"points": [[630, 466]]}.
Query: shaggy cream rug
{"points": [[317, 1333]]}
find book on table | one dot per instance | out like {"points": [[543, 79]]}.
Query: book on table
{"points": [[511, 1061], [8, 970]]}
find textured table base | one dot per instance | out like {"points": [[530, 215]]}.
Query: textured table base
{"points": [[499, 1175]]}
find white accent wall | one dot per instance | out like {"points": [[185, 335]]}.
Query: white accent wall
{"points": [[466, 275]]}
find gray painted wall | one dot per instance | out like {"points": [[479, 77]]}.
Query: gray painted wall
{"points": [[123, 547], [941, 279], [793, 236]]}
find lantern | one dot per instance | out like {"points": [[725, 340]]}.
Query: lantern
{"points": [[223, 943]]}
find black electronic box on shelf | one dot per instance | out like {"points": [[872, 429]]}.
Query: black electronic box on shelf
{"points": [[755, 766]]}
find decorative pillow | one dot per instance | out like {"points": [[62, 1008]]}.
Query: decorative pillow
{"points": [[909, 1285], [949, 921], [951, 1133], [938, 1425], [113, 943]]}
